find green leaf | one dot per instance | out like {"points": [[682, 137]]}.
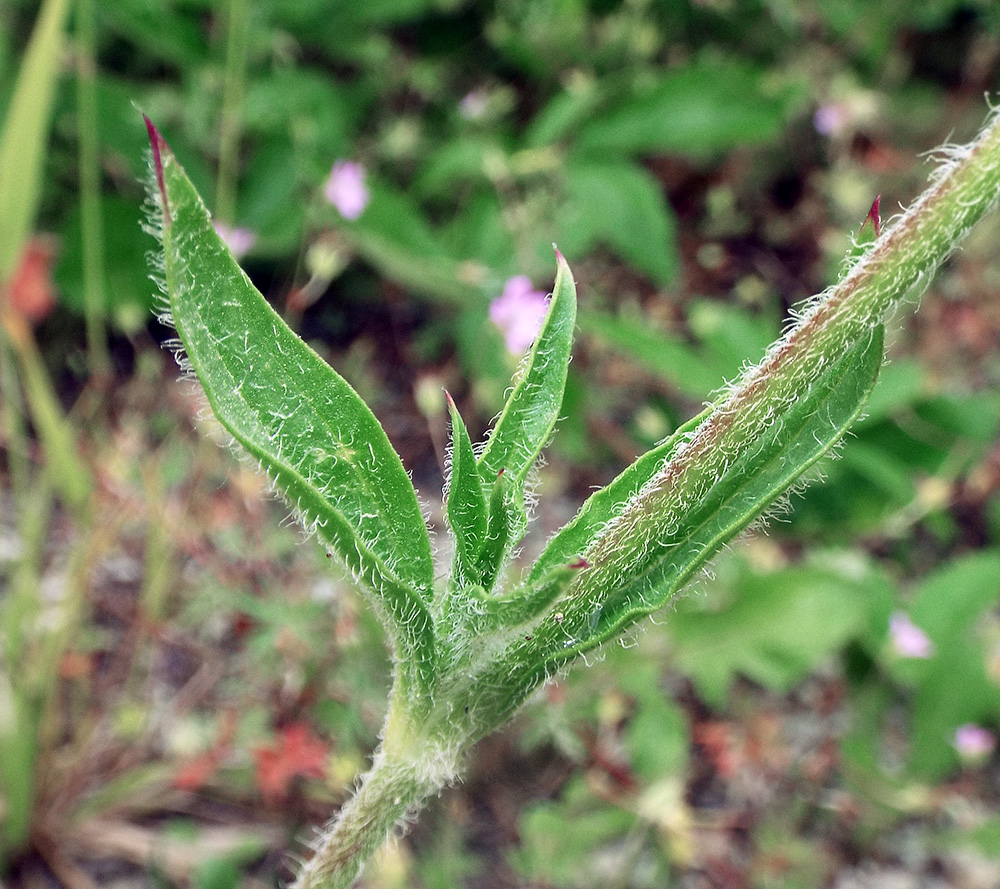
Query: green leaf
{"points": [[310, 431], [393, 235], [564, 113], [951, 604], [699, 110], [170, 32], [128, 298], [621, 206], [778, 627], [23, 148], [529, 416], [638, 554], [647, 552], [466, 502], [679, 363], [485, 622], [603, 505], [500, 525], [529, 601], [729, 336]]}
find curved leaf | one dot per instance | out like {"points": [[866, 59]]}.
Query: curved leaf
{"points": [[310, 431], [697, 110], [602, 506], [620, 205], [532, 408], [500, 528], [649, 553], [466, 502]]}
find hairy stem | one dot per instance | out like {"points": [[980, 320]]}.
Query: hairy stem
{"points": [[899, 264], [389, 792]]}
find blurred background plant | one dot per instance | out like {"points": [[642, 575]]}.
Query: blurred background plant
{"points": [[182, 688]]}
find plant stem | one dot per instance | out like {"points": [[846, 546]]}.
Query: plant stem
{"points": [[898, 265], [389, 792]]}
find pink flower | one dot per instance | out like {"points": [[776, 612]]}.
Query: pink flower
{"points": [[830, 119], [238, 240], [908, 639], [519, 312], [345, 189], [974, 742]]}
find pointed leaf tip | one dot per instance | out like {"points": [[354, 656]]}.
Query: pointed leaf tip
{"points": [[873, 215], [157, 144]]}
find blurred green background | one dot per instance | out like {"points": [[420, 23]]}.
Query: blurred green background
{"points": [[185, 686]]}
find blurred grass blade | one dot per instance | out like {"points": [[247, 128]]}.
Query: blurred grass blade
{"points": [[309, 430], [92, 222], [19, 714], [23, 142], [527, 419], [25, 133], [70, 475]]}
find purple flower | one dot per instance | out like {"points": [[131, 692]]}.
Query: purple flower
{"points": [[830, 119], [973, 741], [238, 240], [345, 189], [908, 639], [519, 312]]}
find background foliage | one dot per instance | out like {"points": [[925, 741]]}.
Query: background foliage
{"points": [[201, 687]]}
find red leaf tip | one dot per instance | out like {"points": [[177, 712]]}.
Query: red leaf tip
{"points": [[157, 145], [873, 215], [579, 563]]}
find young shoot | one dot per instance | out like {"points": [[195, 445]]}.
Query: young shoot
{"points": [[469, 651]]}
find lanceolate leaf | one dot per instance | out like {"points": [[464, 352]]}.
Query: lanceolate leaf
{"points": [[621, 205], [500, 524], [651, 550], [527, 602], [309, 430], [630, 570], [604, 505], [526, 422], [466, 503]]}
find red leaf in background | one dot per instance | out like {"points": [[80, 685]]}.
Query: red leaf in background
{"points": [[297, 752], [194, 774], [30, 293]]}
